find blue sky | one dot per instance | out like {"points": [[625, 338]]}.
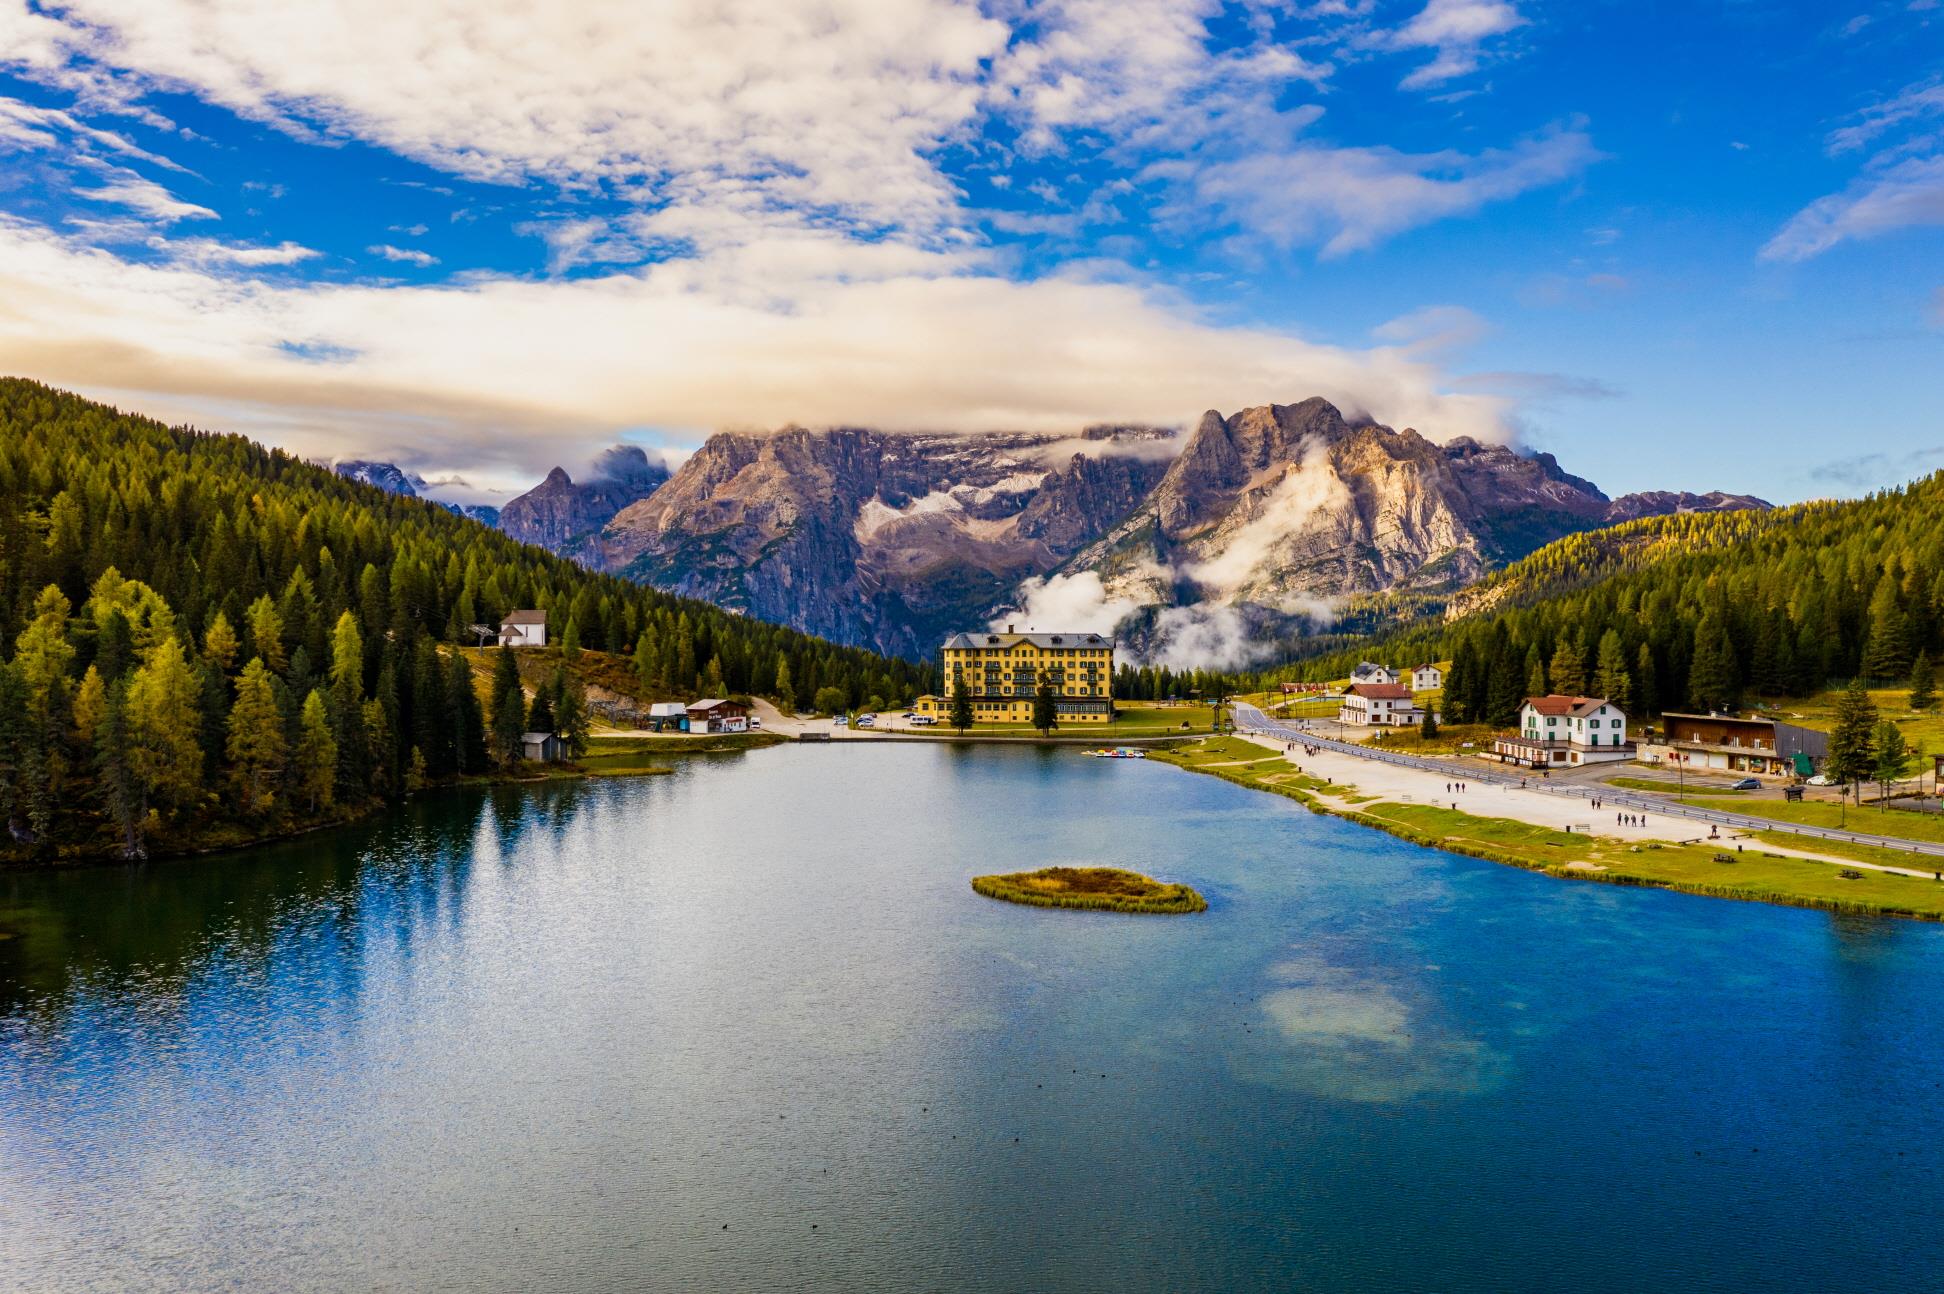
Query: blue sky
{"points": [[1681, 246]]}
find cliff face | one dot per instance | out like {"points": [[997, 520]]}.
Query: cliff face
{"points": [[1284, 508], [566, 517], [1265, 519], [885, 540]]}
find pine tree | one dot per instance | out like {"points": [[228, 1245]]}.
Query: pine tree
{"points": [[1711, 678], [1889, 758], [1887, 653], [961, 705], [219, 643], [1457, 684], [1852, 738], [256, 738], [347, 656], [540, 715], [1428, 726], [317, 759], [570, 639], [468, 722], [1646, 690], [267, 634], [90, 701], [1923, 683], [570, 712], [509, 707], [1505, 697], [1569, 669], [785, 689], [379, 747], [1611, 679], [1535, 673], [115, 774], [1046, 710], [644, 662], [165, 723]]}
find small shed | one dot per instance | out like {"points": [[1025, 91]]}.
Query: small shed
{"points": [[546, 747], [524, 629], [713, 715], [667, 716]]}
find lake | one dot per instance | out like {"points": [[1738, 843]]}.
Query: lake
{"points": [[746, 1027]]}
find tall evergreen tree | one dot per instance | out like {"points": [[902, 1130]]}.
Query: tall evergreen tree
{"points": [[509, 707], [256, 738], [1712, 684], [1886, 655], [1889, 757], [1852, 738], [961, 705], [1046, 712], [1568, 668], [115, 773], [165, 726], [316, 759], [1611, 679], [1923, 683]]}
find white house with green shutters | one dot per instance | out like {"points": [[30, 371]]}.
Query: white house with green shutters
{"points": [[1566, 731]]}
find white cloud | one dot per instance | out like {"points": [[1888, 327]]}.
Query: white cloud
{"points": [[29, 126], [208, 251], [834, 106], [127, 189], [1907, 194], [814, 329], [1910, 105], [1140, 70], [1350, 199], [407, 255], [1457, 30]]}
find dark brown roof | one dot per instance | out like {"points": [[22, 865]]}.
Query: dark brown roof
{"points": [[525, 618]]}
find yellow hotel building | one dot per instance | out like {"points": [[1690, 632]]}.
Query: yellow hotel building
{"points": [[1002, 672]]}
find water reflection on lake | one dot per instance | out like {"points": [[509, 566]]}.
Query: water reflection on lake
{"points": [[747, 1027]]}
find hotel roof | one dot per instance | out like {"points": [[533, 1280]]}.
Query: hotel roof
{"points": [[960, 642]]}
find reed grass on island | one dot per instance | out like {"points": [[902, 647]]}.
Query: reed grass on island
{"points": [[1105, 889]]}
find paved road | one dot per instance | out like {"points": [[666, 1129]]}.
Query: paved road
{"points": [[1249, 719]]}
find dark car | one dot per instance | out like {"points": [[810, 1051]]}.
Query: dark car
{"points": [[1746, 784]]}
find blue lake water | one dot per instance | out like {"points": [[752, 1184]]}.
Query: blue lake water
{"points": [[746, 1027]]}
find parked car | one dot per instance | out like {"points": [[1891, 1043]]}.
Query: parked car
{"points": [[867, 721], [841, 721], [755, 721], [923, 721], [1746, 784], [1820, 780]]}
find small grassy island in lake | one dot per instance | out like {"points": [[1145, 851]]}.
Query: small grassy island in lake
{"points": [[1107, 888]]}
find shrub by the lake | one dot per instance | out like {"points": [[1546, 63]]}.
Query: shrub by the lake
{"points": [[1106, 889]]}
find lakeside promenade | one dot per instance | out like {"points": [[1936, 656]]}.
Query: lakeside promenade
{"points": [[1560, 805]]}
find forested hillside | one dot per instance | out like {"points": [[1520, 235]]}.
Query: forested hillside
{"points": [[1698, 611], [205, 639]]}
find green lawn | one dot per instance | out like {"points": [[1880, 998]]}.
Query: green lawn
{"points": [[1820, 813]]}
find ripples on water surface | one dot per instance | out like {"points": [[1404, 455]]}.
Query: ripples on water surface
{"points": [[562, 1037]]}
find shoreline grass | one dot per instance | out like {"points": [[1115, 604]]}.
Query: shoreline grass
{"points": [[1103, 889], [1753, 875]]}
